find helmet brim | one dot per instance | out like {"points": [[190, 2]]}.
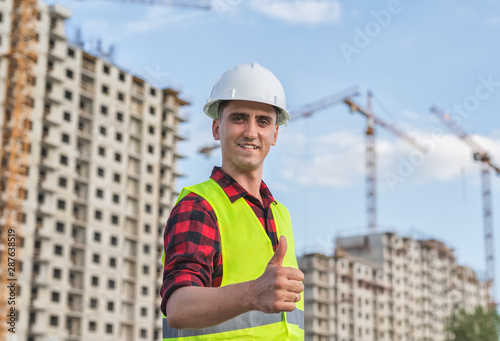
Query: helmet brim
{"points": [[211, 109]]}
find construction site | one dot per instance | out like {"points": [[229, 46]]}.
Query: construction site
{"points": [[89, 157], [386, 287], [89, 172]]}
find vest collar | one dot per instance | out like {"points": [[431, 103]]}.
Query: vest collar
{"points": [[234, 190]]}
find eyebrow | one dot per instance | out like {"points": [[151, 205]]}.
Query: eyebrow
{"points": [[236, 113]]}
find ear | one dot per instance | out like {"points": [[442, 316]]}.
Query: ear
{"points": [[275, 138], [215, 129]]}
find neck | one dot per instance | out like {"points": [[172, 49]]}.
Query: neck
{"points": [[250, 181]]}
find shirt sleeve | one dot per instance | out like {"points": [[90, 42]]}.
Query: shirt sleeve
{"points": [[192, 247]]}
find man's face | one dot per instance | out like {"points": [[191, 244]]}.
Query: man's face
{"points": [[247, 130]]}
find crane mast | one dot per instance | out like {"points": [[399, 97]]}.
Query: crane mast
{"points": [[482, 156], [371, 155], [488, 230], [371, 169]]}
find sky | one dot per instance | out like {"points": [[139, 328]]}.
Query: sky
{"points": [[410, 54]]}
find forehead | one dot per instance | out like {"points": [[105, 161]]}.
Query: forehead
{"points": [[248, 107]]}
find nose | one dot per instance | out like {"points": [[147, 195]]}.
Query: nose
{"points": [[250, 131]]}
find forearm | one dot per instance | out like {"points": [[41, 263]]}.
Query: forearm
{"points": [[203, 307], [276, 290]]}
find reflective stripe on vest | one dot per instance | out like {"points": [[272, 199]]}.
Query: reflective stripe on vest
{"points": [[249, 319], [296, 317], [244, 257]]}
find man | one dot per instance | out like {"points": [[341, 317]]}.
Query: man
{"points": [[230, 272]]}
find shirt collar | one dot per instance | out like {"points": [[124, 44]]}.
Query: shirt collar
{"points": [[234, 190]]}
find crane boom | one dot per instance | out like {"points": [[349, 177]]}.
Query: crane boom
{"points": [[200, 4], [481, 155], [323, 103], [378, 121]]}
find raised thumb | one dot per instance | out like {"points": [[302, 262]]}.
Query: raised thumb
{"points": [[280, 252]]}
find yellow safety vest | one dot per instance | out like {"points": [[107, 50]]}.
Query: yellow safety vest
{"points": [[246, 251]]}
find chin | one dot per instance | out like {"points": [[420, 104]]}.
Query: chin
{"points": [[246, 166]]}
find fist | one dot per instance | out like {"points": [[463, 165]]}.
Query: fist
{"points": [[279, 288]]}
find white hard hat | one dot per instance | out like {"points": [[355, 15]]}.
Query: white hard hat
{"points": [[248, 82]]}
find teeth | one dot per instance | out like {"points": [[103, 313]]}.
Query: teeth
{"points": [[248, 146]]}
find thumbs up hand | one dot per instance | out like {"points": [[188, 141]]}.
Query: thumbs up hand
{"points": [[279, 254], [278, 288]]}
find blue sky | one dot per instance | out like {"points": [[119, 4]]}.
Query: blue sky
{"points": [[410, 54]]}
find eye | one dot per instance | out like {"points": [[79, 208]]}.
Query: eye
{"points": [[237, 119]]}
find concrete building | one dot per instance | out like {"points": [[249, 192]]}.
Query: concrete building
{"points": [[101, 183], [383, 287]]}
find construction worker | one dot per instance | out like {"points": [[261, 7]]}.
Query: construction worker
{"points": [[230, 271]]}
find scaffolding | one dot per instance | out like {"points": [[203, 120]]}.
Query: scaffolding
{"points": [[15, 145]]}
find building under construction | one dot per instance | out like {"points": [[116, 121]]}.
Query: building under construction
{"points": [[385, 287], [88, 171]]}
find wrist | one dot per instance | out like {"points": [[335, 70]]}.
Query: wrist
{"points": [[248, 296]]}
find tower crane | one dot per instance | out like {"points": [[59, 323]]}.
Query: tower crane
{"points": [[371, 156], [482, 156], [305, 111]]}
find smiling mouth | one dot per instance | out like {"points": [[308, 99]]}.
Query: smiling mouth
{"points": [[248, 146]]}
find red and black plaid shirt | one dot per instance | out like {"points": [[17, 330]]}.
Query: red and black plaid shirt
{"points": [[192, 241]]}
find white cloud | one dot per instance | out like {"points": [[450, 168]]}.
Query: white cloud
{"points": [[301, 11], [334, 159], [447, 158], [338, 159]]}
